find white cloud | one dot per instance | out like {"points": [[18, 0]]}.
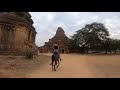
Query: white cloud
{"points": [[50, 17], [46, 23]]}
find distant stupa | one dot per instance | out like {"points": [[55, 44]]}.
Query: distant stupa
{"points": [[60, 38]]}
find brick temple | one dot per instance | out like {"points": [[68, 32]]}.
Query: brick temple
{"points": [[16, 32], [62, 40]]}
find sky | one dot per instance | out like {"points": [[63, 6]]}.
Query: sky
{"points": [[46, 23]]}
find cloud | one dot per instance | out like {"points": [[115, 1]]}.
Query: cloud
{"points": [[46, 23]]}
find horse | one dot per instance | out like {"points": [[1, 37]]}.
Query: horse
{"points": [[55, 61]]}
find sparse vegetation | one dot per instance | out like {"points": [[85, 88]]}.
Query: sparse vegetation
{"points": [[29, 53]]}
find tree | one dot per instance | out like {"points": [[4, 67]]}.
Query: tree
{"points": [[107, 45], [97, 34], [74, 46], [115, 45], [91, 36]]}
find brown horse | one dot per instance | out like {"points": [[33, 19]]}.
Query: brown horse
{"points": [[55, 61]]}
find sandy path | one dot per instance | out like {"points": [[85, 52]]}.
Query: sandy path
{"points": [[72, 66]]}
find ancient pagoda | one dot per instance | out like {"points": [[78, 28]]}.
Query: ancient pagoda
{"points": [[16, 32], [60, 38]]}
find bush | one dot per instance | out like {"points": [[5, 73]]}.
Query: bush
{"points": [[29, 53]]}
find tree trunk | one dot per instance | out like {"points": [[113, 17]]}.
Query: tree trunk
{"points": [[110, 51], [87, 51], [106, 51]]}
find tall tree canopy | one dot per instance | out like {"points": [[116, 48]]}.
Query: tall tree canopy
{"points": [[91, 36]]}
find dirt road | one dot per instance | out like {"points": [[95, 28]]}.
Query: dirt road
{"points": [[72, 66]]}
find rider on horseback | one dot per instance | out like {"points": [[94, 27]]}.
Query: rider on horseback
{"points": [[56, 48]]}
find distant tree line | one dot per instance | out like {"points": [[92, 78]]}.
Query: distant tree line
{"points": [[94, 38]]}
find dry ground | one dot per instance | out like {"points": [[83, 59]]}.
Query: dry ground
{"points": [[72, 66], [19, 67], [105, 66]]}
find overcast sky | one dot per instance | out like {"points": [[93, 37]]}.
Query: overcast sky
{"points": [[46, 23]]}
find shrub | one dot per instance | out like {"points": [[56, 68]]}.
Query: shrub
{"points": [[29, 53]]}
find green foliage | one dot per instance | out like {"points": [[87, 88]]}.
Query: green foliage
{"points": [[29, 53], [111, 45], [94, 37], [91, 36]]}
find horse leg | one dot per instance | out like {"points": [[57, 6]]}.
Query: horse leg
{"points": [[52, 66], [55, 65], [58, 64]]}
